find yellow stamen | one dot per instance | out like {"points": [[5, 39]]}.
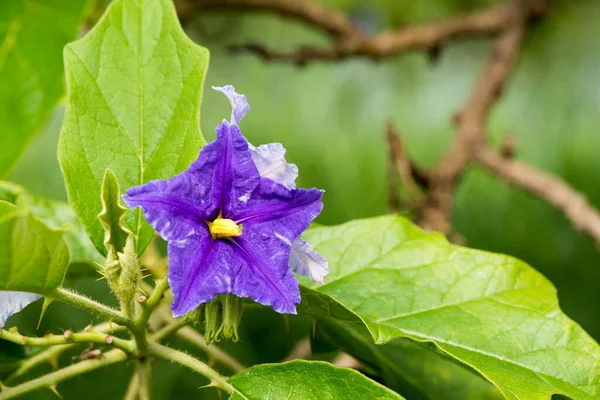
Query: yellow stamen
{"points": [[222, 228]]}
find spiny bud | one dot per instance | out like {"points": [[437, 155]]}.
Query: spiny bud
{"points": [[222, 317]]}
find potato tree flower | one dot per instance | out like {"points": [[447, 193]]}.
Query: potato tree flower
{"points": [[233, 221], [13, 302]]}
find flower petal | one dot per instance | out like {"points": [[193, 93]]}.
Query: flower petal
{"points": [[201, 268], [13, 302], [174, 207], [270, 162], [282, 212], [239, 103], [234, 176], [223, 177], [305, 260]]}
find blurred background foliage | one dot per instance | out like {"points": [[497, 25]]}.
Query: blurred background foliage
{"points": [[331, 118]]}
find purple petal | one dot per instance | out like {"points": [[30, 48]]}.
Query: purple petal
{"points": [[304, 260], [239, 103], [254, 267], [174, 207], [227, 166], [13, 302], [223, 177], [270, 162], [286, 213]]}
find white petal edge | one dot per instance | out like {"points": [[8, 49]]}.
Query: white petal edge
{"points": [[305, 260], [270, 163], [13, 302], [239, 103]]}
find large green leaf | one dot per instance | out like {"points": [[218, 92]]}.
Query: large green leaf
{"points": [[491, 312], [32, 35], [55, 214], [306, 380], [134, 91], [411, 368], [33, 257]]}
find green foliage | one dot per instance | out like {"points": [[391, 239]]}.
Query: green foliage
{"points": [[134, 90], [411, 368], [490, 312], [32, 35], [33, 257], [55, 214], [306, 380]]}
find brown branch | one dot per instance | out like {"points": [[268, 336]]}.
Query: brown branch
{"points": [[348, 41], [334, 23], [471, 120], [402, 168], [551, 189]]}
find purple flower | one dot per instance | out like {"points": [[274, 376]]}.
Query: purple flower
{"points": [[233, 221], [13, 302]]}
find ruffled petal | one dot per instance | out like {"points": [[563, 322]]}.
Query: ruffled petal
{"points": [[270, 162], [175, 207], [248, 266], [221, 179], [13, 302], [305, 260], [239, 103], [282, 212], [234, 176]]}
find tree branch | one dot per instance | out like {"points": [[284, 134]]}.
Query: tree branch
{"points": [[313, 13], [349, 41], [549, 188], [471, 120]]}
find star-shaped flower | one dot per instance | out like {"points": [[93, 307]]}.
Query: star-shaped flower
{"points": [[233, 221]]}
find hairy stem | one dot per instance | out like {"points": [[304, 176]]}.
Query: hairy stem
{"points": [[216, 379], [94, 307], [51, 355], [133, 388], [169, 329], [68, 337], [56, 377], [147, 307], [191, 336], [143, 371]]}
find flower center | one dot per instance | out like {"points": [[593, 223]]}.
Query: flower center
{"points": [[223, 228]]}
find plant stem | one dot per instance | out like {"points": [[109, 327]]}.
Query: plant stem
{"points": [[143, 371], [192, 363], [191, 336], [68, 337], [169, 329], [51, 355], [133, 388], [94, 307], [147, 306], [53, 378], [139, 331]]}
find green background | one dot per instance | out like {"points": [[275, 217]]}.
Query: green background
{"points": [[331, 119]]}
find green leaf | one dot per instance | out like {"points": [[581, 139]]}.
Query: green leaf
{"points": [[32, 34], [410, 368], [33, 257], [55, 214], [134, 91], [306, 380], [113, 213], [491, 312]]}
